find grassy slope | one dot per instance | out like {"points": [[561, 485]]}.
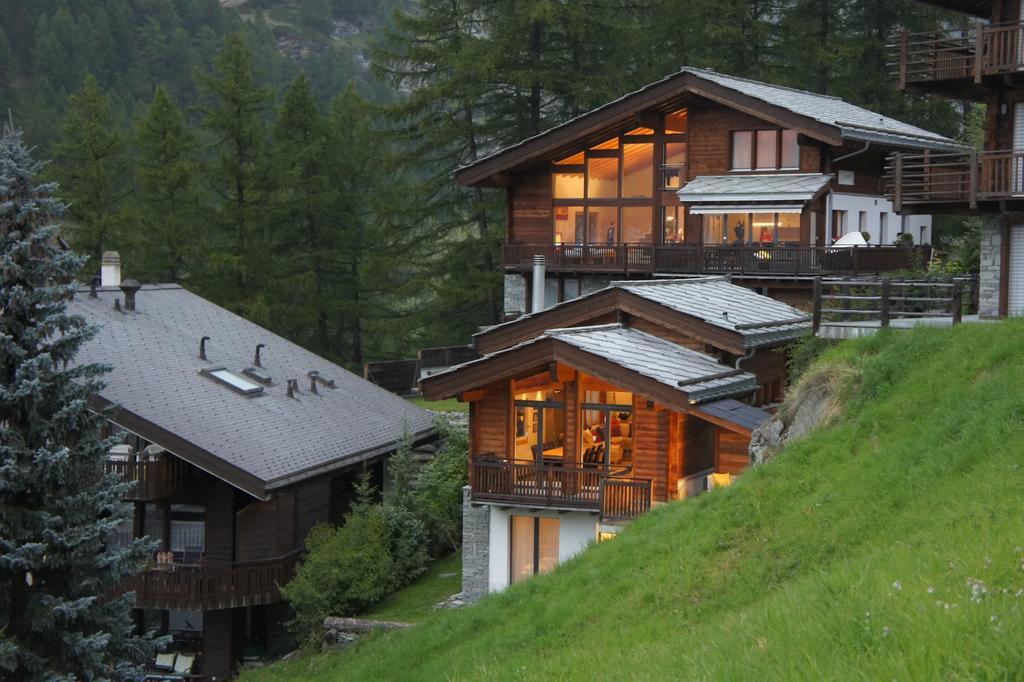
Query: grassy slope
{"points": [[415, 602], [851, 556], [449, 405]]}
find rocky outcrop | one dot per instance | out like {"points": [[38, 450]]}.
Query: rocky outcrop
{"points": [[339, 632], [811, 403]]}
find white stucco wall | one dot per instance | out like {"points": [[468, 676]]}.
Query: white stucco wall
{"points": [[919, 226], [576, 530]]}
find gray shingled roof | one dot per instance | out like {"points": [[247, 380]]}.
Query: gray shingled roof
{"points": [[719, 302], [277, 439], [707, 298], [657, 359], [854, 122], [797, 187], [733, 411]]}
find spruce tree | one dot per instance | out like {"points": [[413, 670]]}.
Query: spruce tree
{"points": [[91, 167], [237, 175], [164, 235], [58, 508]]}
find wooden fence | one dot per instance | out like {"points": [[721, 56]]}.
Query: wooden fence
{"points": [[884, 300], [958, 54]]}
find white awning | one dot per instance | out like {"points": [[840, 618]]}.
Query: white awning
{"points": [[745, 208]]}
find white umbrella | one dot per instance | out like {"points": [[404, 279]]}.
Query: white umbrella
{"points": [[851, 239]]}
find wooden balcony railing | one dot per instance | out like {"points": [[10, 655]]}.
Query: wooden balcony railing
{"points": [[965, 177], [884, 300], [201, 588], [598, 489], [749, 259], [963, 54], [153, 478]]}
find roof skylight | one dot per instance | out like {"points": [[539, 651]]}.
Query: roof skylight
{"points": [[233, 380]]}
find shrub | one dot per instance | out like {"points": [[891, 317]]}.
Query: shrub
{"points": [[408, 542], [438, 499], [345, 571], [803, 353]]}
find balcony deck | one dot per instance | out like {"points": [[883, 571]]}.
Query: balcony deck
{"points": [[154, 478], [608, 491], [753, 259], [205, 588], [957, 61], [956, 182]]}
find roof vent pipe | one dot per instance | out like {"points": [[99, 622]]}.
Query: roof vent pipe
{"points": [[117, 304], [202, 347], [130, 287], [538, 284], [110, 269], [293, 385], [312, 381], [256, 359], [93, 283]]}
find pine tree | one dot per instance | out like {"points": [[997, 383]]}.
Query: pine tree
{"points": [[237, 174], [57, 506], [164, 236], [92, 169], [440, 54]]}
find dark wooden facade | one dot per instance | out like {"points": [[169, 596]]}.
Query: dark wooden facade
{"points": [[250, 549]]}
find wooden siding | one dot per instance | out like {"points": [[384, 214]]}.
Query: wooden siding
{"points": [[312, 505], [491, 416], [769, 366], [219, 499], [256, 530], [731, 456], [531, 207], [650, 446], [223, 641]]}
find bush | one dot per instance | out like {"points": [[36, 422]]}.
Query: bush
{"points": [[408, 542], [438, 498], [803, 353], [345, 570]]}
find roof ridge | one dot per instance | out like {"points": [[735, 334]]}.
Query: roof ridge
{"points": [[621, 283], [698, 69], [589, 328]]}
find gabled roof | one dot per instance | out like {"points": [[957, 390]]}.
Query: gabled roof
{"points": [[733, 318], [632, 359], [255, 442], [754, 187], [821, 117], [734, 415]]}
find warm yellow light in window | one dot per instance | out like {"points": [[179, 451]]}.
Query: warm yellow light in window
{"points": [[676, 122], [640, 131], [604, 537], [608, 144], [574, 160]]}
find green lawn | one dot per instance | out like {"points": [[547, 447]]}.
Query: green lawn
{"points": [[449, 405], [889, 545], [416, 601]]}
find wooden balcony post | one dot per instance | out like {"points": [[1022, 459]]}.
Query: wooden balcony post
{"points": [[816, 315], [901, 79], [978, 50], [897, 182], [884, 316]]}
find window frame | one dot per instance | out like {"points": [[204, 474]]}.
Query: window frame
{"points": [[752, 168], [540, 406], [536, 544], [607, 409]]}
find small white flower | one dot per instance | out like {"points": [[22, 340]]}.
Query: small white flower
{"points": [[931, 590], [978, 589], [897, 586], [994, 619], [886, 631]]}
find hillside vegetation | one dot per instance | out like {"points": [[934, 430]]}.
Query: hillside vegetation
{"points": [[887, 545]]}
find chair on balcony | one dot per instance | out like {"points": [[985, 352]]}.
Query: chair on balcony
{"points": [[172, 666]]}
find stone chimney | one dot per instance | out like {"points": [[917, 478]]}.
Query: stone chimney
{"points": [[110, 269]]}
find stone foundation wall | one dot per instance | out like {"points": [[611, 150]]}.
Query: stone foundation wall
{"points": [[988, 282], [515, 295], [476, 539]]}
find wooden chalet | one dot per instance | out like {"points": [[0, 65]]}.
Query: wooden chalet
{"points": [[238, 442], [980, 60], [702, 173], [585, 414]]}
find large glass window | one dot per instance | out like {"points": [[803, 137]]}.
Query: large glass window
{"points": [[540, 423], [637, 171], [743, 150], [603, 178], [188, 533], [676, 122], [789, 228], [570, 224], [607, 434], [759, 228], [672, 229], [767, 149], [762, 228], [534, 546], [729, 228], [790, 150], [602, 225], [569, 185], [637, 222], [673, 172]]}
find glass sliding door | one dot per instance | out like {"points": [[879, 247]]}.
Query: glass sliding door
{"points": [[533, 546]]}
